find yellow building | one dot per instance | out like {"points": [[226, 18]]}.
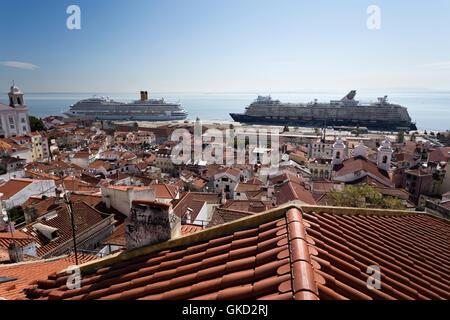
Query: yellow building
{"points": [[37, 150], [320, 168]]}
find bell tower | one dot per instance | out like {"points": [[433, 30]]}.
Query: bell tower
{"points": [[384, 155], [16, 97], [338, 151]]}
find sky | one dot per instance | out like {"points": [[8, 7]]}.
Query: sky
{"points": [[224, 46]]}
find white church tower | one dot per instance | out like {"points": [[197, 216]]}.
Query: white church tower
{"points": [[384, 155], [14, 118], [338, 151]]}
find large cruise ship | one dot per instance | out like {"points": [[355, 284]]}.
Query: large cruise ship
{"points": [[380, 115], [142, 110]]}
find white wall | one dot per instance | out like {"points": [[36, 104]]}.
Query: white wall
{"points": [[231, 183], [121, 199], [36, 188]]}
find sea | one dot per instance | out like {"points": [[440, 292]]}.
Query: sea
{"points": [[429, 109]]}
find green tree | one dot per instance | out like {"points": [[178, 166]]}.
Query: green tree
{"points": [[400, 136], [135, 124], [316, 131], [412, 137], [286, 128], [36, 124], [363, 196], [16, 215]]}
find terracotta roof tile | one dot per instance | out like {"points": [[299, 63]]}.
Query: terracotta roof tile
{"points": [[284, 253], [28, 274]]}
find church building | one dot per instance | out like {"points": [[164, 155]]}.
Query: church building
{"points": [[14, 117]]}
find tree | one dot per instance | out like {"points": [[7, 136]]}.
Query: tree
{"points": [[135, 124], [316, 131], [231, 126], [16, 215], [286, 128], [36, 124], [363, 196], [412, 137], [400, 136]]}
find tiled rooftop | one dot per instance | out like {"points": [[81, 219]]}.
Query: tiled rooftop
{"points": [[27, 274], [290, 252], [85, 217]]}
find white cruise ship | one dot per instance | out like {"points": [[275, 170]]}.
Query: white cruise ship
{"points": [[139, 110]]}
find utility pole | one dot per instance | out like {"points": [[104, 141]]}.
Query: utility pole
{"points": [[10, 226], [69, 209]]}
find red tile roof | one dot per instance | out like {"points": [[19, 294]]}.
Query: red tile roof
{"points": [[360, 163], [190, 228], [117, 237], [20, 238], [165, 191], [85, 217], [249, 205], [13, 186], [42, 205], [280, 254], [290, 191], [27, 274], [439, 155]]}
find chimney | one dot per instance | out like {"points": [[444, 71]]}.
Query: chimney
{"points": [[15, 252], [150, 222], [30, 214], [223, 195]]}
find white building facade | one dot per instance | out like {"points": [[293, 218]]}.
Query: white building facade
{"points": [[14, 119]]}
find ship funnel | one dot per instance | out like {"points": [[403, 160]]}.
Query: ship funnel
{"points": [[142, 96], [350, 96], [146, 95]]}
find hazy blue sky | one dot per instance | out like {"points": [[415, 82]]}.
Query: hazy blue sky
{"points": [[232, 45]]}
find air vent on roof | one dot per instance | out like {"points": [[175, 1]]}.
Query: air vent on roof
{"points": [[49, 232]]}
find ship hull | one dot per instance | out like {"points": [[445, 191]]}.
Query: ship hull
{"points": [[116, 117], [311, 122]]}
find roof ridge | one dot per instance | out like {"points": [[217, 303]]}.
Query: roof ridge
{"points": [[303, 276]]}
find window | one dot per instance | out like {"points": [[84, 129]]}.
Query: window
{"points": [[23, 120], [338, 155], [11, 120], [384, 159]]}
